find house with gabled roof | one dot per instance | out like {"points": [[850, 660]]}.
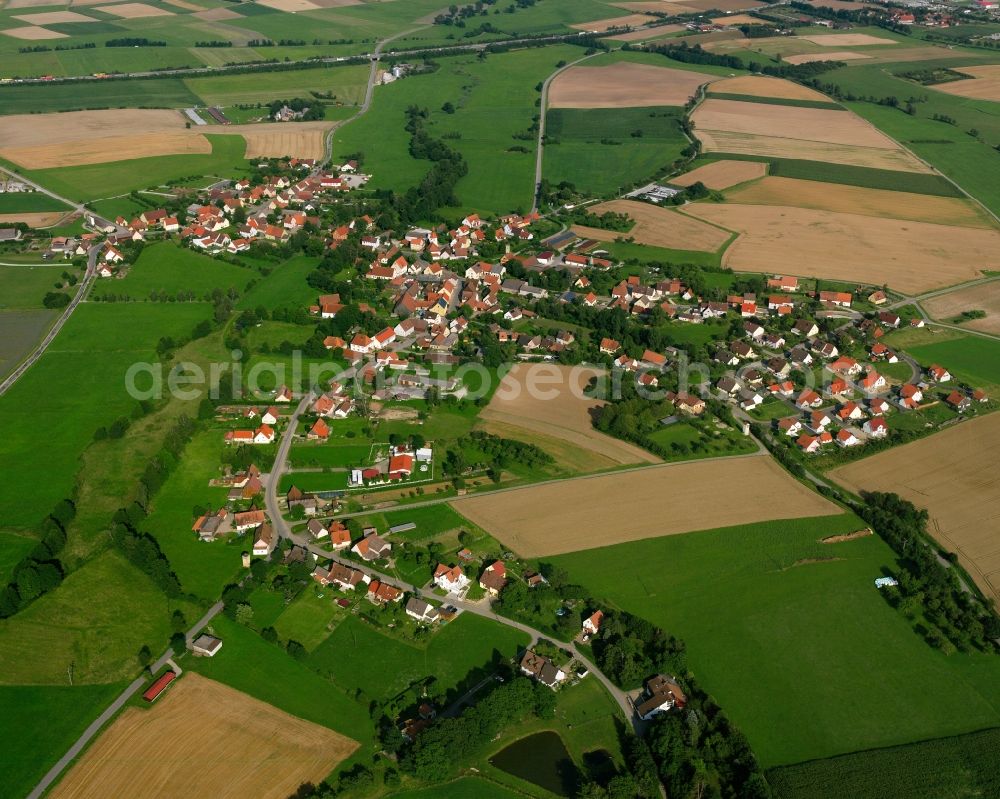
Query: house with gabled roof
{"points": [[875, 427], [494, 578], [451, 579], [422, 611], [372, 547], [660, 696], [542, 669]]}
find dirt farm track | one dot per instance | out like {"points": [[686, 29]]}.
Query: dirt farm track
{"points": [[668, 500], [204, 739], [953, 475]]}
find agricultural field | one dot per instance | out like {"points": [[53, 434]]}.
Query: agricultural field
{"points": [[549, 400], [601, 149], [972, 359], [984, 85], [346, 83], [723, 174], [494, 108], [586, 513], [951, 475], [203, 569], [985, 297], [185, 743], [820, 134], [882, 203], [265, 671], [167, 268], [659, 227], [20, 331], [70, 396], [93, 624], [740, 595], [90, 181], [28, 202], [43, 141], [39, 723], [357, 657], [624, 85], [911, 257], [946, 768], [760, 86]]}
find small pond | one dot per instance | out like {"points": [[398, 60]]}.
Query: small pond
{"points": [[542, 759]]}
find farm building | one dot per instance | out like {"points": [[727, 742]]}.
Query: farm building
{"points": [[159, 685], [206, 645]]}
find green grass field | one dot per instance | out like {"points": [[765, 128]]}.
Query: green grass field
{"points": [[357, 657], [347, 84], [40, 723], [780, 628], [576, 150], [94, 623], [78, 385], [167, 267], [25, 286], [329, 455], [20, 331], [948, 768], [103, 180], [28, 202], [154, 93], [494, 99], [462, 788], [250, 664], [284, 287], [204, 569], [13, 547], [972, 359]]}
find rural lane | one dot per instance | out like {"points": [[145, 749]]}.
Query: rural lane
{"points": [[543, 112], [95, 726], [85, 284]]}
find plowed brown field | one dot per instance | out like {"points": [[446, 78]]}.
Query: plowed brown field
{"points": [[975, 298]]}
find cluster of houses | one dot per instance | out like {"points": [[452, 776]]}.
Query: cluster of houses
{"points": [[400, 464], [212, 525]]}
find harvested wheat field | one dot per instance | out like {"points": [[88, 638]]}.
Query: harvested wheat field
{"points": [[659, 32], [33, 33], [569, 456], [759, 86], [39, 219], [135, 10], [656, 7], [834, 55], [676, 498], [737, 19], [847, 40], [722, 174], [624, 85], [41, 141], [290, 5], [203, 738], [812, 124], [601, 25], [549, 399], [301, 139], [838, 5], [985, 297], [898, 160], [217, 15], [954, 475], [659, 227], [985, 83], [911, 257], [857, 200], [111, 148], [722, 5], [53, 17]]}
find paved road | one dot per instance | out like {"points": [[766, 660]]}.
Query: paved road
{"points": [[53, 773], [81, 292]]}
